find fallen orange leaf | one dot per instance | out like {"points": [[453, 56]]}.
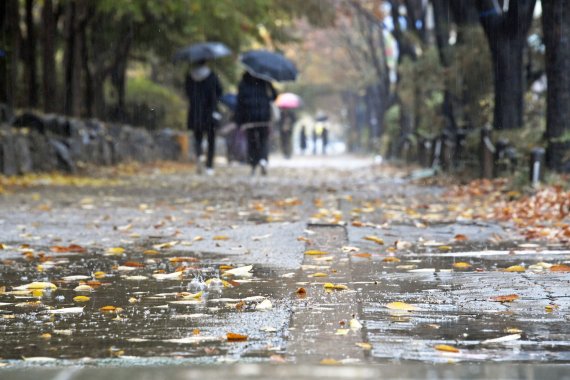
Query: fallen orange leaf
{"points": [[460, 237], [233, 337], [362, 255], [507, 298], [560, 268]]}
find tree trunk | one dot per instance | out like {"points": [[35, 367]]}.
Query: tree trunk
{"points": [[556, 26], [10, 43], [506, 31], [48, 61], [507, 56], [69, 58], [30, 58]]}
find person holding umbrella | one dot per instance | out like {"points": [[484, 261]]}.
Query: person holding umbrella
{"points": [[255, 97], [203, 90]]}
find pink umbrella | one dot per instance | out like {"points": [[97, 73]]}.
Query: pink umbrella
{"points": [[288, 100]]}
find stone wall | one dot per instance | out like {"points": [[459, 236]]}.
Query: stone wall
{"points": [[38, 143]]}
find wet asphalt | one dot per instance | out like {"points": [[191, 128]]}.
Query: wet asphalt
{"points": [[325, 313]]}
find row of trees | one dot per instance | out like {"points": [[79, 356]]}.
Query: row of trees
{"points": [[72, 56], [472, 50]]}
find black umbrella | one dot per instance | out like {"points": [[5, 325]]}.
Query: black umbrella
{"points": [[202, 51], [269, 66]]}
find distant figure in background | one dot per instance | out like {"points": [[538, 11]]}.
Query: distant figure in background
{"points": [[203, 90], [315, 137], [325, 139], [253, 113], [286, 124], [303, 140]]}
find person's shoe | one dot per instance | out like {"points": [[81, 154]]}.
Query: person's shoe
{"points": [[210, 172], [263, 166]]}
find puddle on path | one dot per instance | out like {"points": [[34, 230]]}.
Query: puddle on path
{"points": [[155, 321]]}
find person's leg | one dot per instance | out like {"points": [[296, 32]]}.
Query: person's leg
{"points": [[198, 135], [251, 147], [211, 148], [264, 143], [264, 149]]}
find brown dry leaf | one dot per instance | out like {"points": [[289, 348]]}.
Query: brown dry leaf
{"points": [[233, 337], [133, 264], [560, 268], [151, 252], [357, 223], [375, 239], [446, 348], [220, 238], [514, 268], [240, 305], [460, 237], [506, 298], [301, 292], [314, 252], [391, 259], [461, 265], [362, 255]]}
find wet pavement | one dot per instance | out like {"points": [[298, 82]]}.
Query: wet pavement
{"points": [[352, 265]]}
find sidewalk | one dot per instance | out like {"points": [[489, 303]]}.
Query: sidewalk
{"points": [[352, 265]]}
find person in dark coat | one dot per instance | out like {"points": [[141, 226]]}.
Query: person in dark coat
{"points": [[253, 113], [203, 90], [325, 139], [303, 139]]}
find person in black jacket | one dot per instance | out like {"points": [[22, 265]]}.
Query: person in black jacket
{"points": [[203, 90], [254, 114]]}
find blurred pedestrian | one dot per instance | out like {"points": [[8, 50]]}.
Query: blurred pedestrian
{"points": [[315, 138], [325, 139], [303, 140], [286, 124], [253, 113], [203, 90]]}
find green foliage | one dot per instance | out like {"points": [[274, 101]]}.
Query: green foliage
{"points": [[470, 79], [421, 91], [142, 91]]}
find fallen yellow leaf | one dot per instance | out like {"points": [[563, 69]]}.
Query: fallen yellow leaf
{"points": [[319, 274], [401, 306], [461, 265], [81, 298], [445, 248], [446, 348], [375, 239], [391, 259], [514, 268], [115, 251], [365, 346], [221, 237], [314, 252]]}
